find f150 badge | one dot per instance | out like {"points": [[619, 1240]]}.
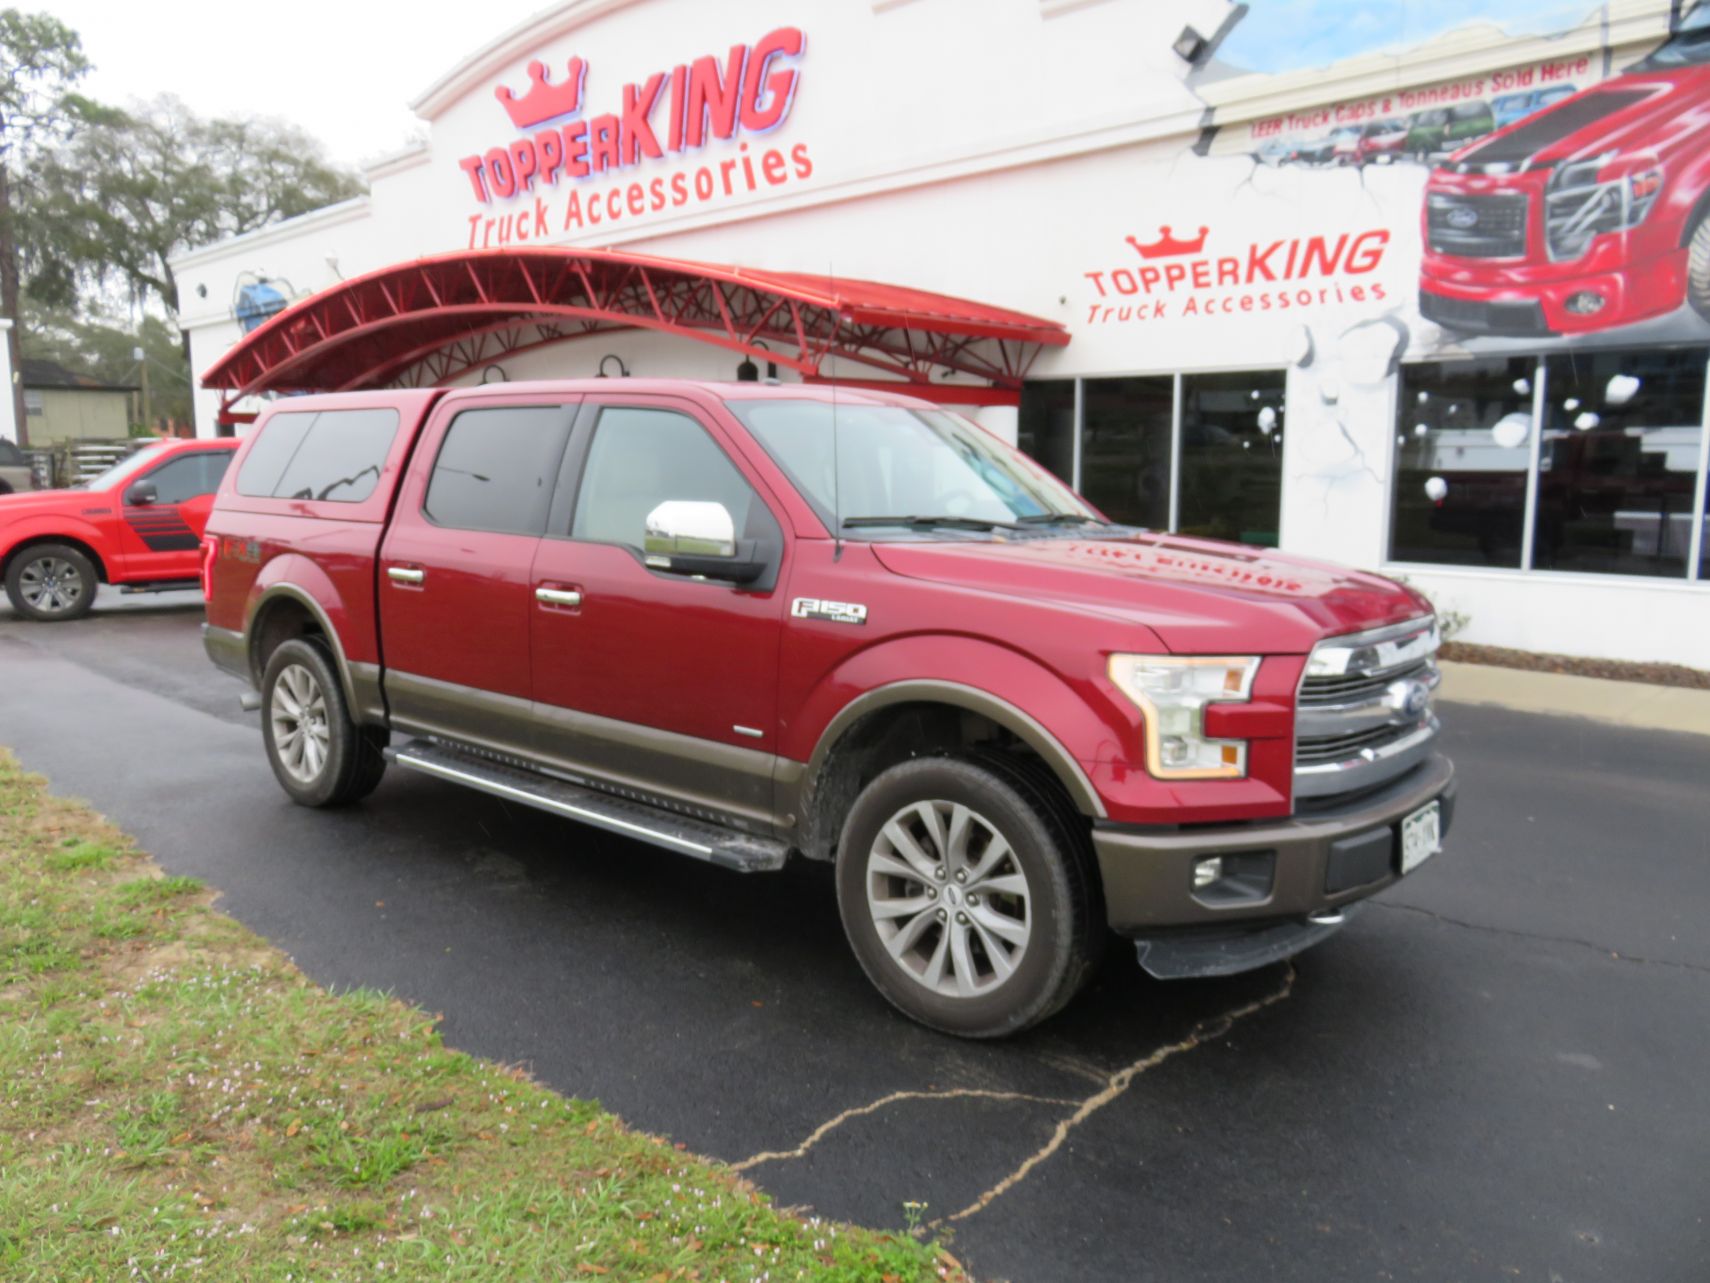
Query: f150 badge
{"points": [[836, 612]]}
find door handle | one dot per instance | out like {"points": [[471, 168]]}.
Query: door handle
{"points": [[405, 574], [558, 597]]}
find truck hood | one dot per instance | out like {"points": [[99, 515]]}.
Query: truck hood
{"points": [[1199, 596], [1639, 112], [42, 502]]}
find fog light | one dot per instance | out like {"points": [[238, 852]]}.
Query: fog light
{"points": [[1585, 303], [1207, 872]]}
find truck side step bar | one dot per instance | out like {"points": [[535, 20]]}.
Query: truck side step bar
{"points": [[683, 834]]}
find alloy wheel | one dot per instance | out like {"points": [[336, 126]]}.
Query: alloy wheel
{"points": [[51, 585], [298, 712], [949, 899]]}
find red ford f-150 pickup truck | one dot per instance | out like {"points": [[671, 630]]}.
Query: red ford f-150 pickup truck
{"points": [[744, 622], [1592, 213], [138, 526]]}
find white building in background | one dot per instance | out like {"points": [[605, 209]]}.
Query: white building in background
{"points": [[1235, 245]]}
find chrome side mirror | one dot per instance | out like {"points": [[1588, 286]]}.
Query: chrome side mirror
{"points": [[691, 528], [698, 538]]}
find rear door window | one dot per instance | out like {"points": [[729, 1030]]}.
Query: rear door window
{"points": [[10, 455], [334, 456], [497, 469]]}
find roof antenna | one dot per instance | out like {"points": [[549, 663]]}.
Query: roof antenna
{"points": [[836, 454]]}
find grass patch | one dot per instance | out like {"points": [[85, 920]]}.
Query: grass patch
{"points": [[180, 1102]]}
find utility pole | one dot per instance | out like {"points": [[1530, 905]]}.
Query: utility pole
{"points": [[141, 358]]}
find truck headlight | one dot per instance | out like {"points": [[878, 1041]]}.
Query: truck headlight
{"points": [[1172, 694]]}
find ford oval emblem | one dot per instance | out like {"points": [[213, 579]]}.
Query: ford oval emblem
{"points": [[1418, 696], [1463, 217]]}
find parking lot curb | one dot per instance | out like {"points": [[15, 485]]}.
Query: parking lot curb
{"points": [[1635, 704]]}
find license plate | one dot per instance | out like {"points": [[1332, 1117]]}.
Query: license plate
{"points": [[1421, 836]]}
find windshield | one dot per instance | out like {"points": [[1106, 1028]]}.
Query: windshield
{"points": [[1689, 44], [122, 469], [914, 465]]}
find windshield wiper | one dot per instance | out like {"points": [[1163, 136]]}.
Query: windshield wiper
{"points": [[927, 523], [1060, 519]]}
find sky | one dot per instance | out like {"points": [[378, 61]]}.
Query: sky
{"points": [[1286, 35], [345, 70]]}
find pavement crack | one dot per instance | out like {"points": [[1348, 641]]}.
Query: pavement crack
{"points": [[1514, 932], [1203, 1032], [872, 1107]]}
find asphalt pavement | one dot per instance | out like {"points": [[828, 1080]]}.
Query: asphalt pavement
{"points": [[1496, 1072]]}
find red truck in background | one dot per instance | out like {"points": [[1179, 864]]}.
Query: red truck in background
{"points": [[747, 622], [137, 526], [1592, 213]]}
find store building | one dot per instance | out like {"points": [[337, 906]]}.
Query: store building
{"points": [[1390, 288]]}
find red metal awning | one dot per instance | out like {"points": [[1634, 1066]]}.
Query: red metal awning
{"points": [[425, 322]]}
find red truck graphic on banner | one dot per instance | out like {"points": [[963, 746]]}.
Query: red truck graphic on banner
{"points": [[1589, 214]]}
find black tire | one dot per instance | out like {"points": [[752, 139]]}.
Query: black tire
{"points": [[1698, 268], [5, 487], [320, 757], [51, 583], [1057, 903]]}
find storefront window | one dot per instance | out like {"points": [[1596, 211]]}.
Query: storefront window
{"points": [[1618, 468], [1125, 449], [1464, 447], [1047, 425], [1231, 465]]}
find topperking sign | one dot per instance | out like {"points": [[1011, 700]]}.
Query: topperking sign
{"points": [[569, 171]]}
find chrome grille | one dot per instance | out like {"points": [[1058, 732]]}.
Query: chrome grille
{"points": [[1333, 690], [1476, 226], [1363, 715]]}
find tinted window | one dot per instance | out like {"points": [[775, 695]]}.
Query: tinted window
{"points": [[1463, 449], [640, 459], [341, 457], [10, 455], [1232, 444], [1046, 429], [336, 455], [1618, 463], [272, 453], [1126, 449], [497, 468], [190, 476]]}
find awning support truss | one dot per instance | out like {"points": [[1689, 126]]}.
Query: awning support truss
{"points": [[427, 322]]}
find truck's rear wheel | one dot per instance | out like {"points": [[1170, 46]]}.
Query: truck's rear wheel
{"points": [[1698, 268], [965, 898], [51, 582], [319, 755]]}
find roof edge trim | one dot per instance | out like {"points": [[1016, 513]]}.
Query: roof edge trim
{"points": [[528, 35]]}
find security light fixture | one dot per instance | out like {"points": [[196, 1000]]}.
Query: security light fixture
{"points": [[1190, 46]]}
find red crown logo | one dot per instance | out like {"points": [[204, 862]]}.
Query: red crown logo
{"points": [[543, 101], [1168, 246]]}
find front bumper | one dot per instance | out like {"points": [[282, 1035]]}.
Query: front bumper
{"points": [[1308, 867]]}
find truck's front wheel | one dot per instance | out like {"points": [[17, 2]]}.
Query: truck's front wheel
{"points": [[319, 755], [52, 583], [965, 896], [1698, 268]]}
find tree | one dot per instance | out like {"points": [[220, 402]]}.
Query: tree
{"points": [[40, 58], [129, 190]]}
